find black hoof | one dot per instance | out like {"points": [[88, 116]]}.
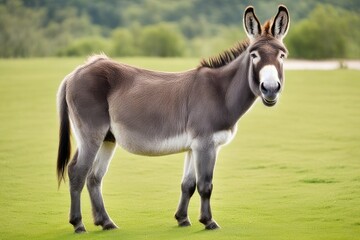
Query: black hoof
{"points": [[212, 226], [110, 226], [182, 221], [185, 223], [80, 229]]}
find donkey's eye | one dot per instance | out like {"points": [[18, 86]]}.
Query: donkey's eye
{"points": [[282, 55], [253, 55]]}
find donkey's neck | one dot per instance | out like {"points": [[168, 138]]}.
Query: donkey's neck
{"points": [[239, 96]]}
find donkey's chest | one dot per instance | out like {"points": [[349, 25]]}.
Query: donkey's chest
{"points": [[223, 137]]}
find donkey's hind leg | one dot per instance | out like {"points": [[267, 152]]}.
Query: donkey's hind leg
{"points": [[188, 187], [78, 170], [94, 183]]}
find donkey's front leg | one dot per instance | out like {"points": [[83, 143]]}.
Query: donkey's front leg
{"points": [[205, 157]]}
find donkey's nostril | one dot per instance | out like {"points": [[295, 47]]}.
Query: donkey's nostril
{"points": [[262, 88], [278, 87]]}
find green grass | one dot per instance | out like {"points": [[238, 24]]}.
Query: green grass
{"points": [[292, 172]]}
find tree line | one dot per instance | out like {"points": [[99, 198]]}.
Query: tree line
{"points": [[197, 28]]}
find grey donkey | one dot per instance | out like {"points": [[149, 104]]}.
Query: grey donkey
{"points": [[157, 113]]}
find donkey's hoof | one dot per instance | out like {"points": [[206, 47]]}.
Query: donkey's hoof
{"points": [[80, 229], [110, 226], [212, 226], [184, 223]]}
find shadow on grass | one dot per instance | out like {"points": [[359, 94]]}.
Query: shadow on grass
{"points": [[318, 180]]}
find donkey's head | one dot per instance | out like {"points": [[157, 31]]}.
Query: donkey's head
{"points": [[266, 54]]}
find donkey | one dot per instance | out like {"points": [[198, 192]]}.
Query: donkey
{"points": [[156, 113]]}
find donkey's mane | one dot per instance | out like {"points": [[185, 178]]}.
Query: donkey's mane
{"points": [[226, 56], [229, 55]]}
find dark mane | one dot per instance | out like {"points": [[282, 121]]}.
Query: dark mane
{"points": [[225, 57]]}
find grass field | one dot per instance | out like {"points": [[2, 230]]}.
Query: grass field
{"points": [[292, 172]]}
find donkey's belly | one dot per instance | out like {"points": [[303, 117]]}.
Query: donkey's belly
{"points": [[152, 145]]}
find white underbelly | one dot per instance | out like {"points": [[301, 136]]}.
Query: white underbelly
{"points": [[153, 145], [156, 146]]}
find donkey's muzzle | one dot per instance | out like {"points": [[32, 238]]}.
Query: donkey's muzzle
{"points": [[270, 93]]}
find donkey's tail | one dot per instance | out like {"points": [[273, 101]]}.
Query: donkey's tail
{"points": [[64, 133]]}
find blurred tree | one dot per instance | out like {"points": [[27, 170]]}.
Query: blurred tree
{"points": [[123, 43], [85, 47], [325, 34], [67, 27], [188, 28], [161, 40], [20, 30], [24, 34]]}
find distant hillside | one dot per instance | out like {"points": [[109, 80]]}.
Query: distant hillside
{"points": [[192, 28], [115, 13]]}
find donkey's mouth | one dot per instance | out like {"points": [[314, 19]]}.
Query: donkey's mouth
{"points": [[269, 103]]}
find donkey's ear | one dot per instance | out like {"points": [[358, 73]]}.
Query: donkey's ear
{"points": [[252, 25], [281, 23]]}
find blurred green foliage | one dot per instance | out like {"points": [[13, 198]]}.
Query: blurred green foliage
{"points": [[161, 40], [319, 29], [328, 32], [84, 46]]}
